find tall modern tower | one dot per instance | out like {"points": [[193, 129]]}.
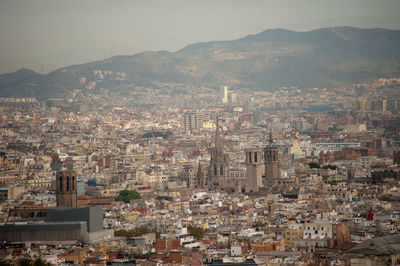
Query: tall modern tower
{"points": [[224, 94], [66, 189], [253, 169], [272, 164]]}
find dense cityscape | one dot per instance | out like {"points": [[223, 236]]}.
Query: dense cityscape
{"points": [[187, 175], [220, 133]]}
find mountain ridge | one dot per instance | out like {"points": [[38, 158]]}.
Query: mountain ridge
{"points": [[326, 57]]}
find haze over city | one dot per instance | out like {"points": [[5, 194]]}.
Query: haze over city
{"points": [[246, 133], [45, 35]]}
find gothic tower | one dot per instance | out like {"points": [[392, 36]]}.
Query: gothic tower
{"points": [[253, 169], [218, 171], [350, 176], [201, 177], [66, 189], [271, 161]]}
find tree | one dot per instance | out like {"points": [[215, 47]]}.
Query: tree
{"points": [[196, 232], [333, 183], [137, 232], [313, 165], [4, 262], [332, 167], [127, 195], [29, 261]]}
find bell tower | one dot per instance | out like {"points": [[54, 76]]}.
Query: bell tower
{"points": [[253, 169], [272, 163], [66, 189]]}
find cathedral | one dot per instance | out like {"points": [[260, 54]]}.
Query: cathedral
{"points": [[218, 176]]}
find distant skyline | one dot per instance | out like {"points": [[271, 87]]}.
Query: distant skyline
{"points": [[44, 35]]}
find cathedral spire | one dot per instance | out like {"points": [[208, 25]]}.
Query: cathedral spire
{"points": [[270, 136], [218, 171], [199, 168], [217, 134], [201, 182]]}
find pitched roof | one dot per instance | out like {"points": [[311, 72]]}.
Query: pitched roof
{"points": [[378, 246]]}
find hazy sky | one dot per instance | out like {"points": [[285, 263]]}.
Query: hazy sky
{"points": [[44, 35]]}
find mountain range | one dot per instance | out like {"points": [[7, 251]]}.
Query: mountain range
{"points": [[328, 57]]}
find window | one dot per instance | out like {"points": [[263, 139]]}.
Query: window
{"points": [[67, 183], [255, 157], [61, 183]]}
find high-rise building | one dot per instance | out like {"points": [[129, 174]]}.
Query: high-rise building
{"points": [[374, 105], [272, 163], [224, 94], [378, 105], [393, 105], [232, 97], [384, 105], [193, 121], [361, 105], [253, 169], [66, 189]]}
